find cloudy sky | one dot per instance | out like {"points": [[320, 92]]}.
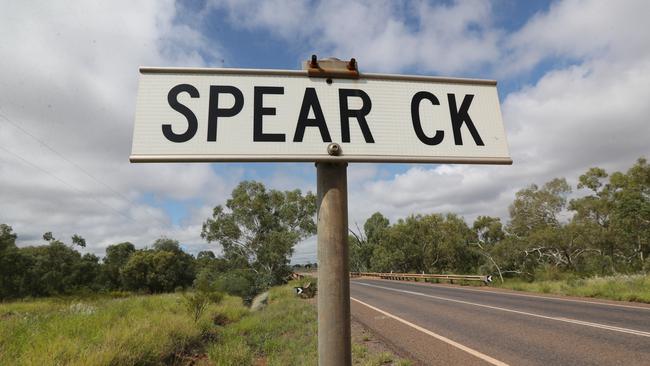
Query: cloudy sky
{"points": [[574, 84]]}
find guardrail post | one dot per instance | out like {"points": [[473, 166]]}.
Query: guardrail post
{"points": [[334, 341]]}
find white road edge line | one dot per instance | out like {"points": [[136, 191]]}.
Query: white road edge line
{"points": [[560, 319], [545, 297], [471, 351]]}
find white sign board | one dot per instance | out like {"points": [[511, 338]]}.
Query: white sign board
{"points": [[190, 115]]}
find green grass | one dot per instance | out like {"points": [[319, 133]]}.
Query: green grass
{"points": [[142, 330], [361, 357], [621, 287], [158, 329], [283, 333]]}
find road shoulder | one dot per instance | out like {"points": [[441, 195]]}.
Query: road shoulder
{"points": [[423, 349], [589, 300]]}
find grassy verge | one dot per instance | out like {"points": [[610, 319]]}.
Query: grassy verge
{"points": [[138, 330], [283, 333], [363, 356], [158, 329], [142, 330], [622, 288]]}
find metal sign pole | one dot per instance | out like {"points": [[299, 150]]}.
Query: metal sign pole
{"points": [[334, 341]]}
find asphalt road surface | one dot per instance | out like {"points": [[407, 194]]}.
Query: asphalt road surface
{"points": [[449, 325]]}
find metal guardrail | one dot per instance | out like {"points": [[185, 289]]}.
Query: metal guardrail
{"points": [[415, 276]]}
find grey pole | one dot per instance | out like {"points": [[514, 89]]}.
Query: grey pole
{"points": [[334, 342]]}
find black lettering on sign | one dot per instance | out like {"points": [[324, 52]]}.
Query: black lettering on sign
{"points": [[260, 111], [310, 101], [458, 116], [192, 124], [360, 114], [417, 123], [215, 112]]}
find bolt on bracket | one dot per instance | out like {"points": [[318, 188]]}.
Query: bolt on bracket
{"points": [[332, 68]]}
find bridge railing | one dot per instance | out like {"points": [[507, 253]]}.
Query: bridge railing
{"points": [[415, 276]]}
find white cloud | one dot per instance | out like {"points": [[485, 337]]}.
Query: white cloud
{"points": [[581, 29], [382, 35], [590, 112], [282, 17], [69, 75]]}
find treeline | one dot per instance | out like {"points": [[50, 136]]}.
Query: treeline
{"points": [[58, 268], [605, 231], [256, 229]]}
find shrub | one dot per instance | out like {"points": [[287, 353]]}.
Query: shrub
{"points": [[195, 303], [238, 283]]}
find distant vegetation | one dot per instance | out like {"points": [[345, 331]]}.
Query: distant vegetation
{"points": [[257, 230], [619, 287], [603, 232]]}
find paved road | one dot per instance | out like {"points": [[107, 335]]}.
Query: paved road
{"points": [[445, 325]]}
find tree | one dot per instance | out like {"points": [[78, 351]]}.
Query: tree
{"points": [[161, 269], [535, 217], [48, 236], [207, 260], [615, 217], [425, 243], [362, 244], [78, 240], [143, 272], [206, 254], [456, 252], [208, 270], [536, 208], [117, 255], [240, 282], [11, 268], [167, 244], [7, 238], [415, 243], [46, 270], [88, 272], [258, 228], [593, 217], [151, 270], [53, 269], [489, 232], [631, 213], [563, 246]]}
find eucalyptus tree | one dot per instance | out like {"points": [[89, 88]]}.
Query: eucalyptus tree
{"points": [[364, 242], [258, 228]]}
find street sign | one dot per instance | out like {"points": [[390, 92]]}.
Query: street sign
{"points": [[327, 113], [186, 115]]}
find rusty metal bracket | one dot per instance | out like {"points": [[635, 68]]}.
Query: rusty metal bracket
{"points": [[332, 68]]}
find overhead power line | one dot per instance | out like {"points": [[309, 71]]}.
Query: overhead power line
{"points": [[72, 187], [44, 144], [75, 165]]}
